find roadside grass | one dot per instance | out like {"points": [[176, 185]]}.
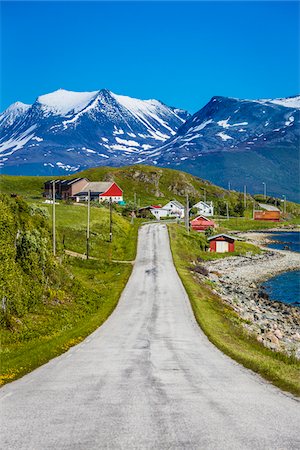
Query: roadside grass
{"points": [[223, 326], [248, 224], [71, 222], [53, 327]]}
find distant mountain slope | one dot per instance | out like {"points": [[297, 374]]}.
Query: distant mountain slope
{"points": [[239, 142], [65, 131]]}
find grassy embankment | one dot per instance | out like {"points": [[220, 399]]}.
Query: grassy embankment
{"points": [[73, 297], [222, 325]]}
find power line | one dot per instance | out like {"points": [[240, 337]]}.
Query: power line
{"points": [[53, 218], [88, 226]]}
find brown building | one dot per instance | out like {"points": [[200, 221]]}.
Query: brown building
{"points": [[64, 189], [267, 212]]}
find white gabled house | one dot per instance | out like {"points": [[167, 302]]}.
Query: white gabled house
{"points": [[160, 212], [175, 208], [171, 209], [205, 208]]}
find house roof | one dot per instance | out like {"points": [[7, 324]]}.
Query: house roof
{"points": [[95, 187], [66, 182], [221, 235], [202, 217], [208, 205], [268, 207], [176, 203], [150, 207]]}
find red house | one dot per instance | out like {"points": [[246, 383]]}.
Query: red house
{"points": [[111, 190], [201, 223], [102, 190], [221, 243]]}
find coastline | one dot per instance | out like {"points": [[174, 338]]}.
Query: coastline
{"points": [[237, 280]]}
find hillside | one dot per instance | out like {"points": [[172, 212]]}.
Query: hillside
{"points": [[152, 185], [49, 304]]}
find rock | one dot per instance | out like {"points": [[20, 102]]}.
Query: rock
{"points": [[272, 338], [278, 334]]}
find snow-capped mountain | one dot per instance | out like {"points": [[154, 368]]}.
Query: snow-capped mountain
{"points": [[239, 142], [68, 131], [227, 141]]}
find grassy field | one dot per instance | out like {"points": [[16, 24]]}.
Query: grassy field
{"points": [[63, 319], [223, 326], [247, 224], [151, 184]]}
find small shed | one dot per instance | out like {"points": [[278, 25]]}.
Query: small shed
{"points": [[221, 243], [201, 223], [267, 212]]}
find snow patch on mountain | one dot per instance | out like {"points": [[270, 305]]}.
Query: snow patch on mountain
{"points": [[62, 102], [290, 102], [224, 136]]}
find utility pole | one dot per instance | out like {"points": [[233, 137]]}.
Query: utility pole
{"points": [[284, 204], [53, 218], [110, 219], [265, 190], [88, 226], [134, 201], [245, 196], [187, 222], [227, 210]]}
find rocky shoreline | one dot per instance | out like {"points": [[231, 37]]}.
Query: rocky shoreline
{"points": [[237, 280]]}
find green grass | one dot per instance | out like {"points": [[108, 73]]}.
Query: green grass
{"points": [[52, 327], [223, 326], [247, 224], [71, 222]]}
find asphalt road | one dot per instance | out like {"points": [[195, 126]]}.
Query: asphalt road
{"points": [[147, 379]]}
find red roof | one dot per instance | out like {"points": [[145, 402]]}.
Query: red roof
{"points": [[204, 220], [113, 191], [156, 206]]}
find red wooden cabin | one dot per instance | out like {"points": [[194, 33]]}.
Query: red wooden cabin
{"points": [[201, 223], [221, 243]]}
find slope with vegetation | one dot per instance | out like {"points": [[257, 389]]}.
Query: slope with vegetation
{"points": [[48, 304], [152, 185], [220, 323]]}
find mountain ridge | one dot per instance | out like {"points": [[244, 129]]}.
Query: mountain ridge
{"points": [[228, 140]]}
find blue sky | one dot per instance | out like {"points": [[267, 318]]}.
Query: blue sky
{"points": [[182, 53]]}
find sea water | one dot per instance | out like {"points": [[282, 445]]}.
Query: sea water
{"points": [[286, 286]]}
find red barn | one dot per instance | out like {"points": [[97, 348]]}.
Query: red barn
{"points": [[267, 212], [221, 243], [201, 223]]}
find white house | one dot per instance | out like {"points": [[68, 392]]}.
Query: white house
{"points": [[175, 208], [160, 212], [171, 209], [205, 208]]}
